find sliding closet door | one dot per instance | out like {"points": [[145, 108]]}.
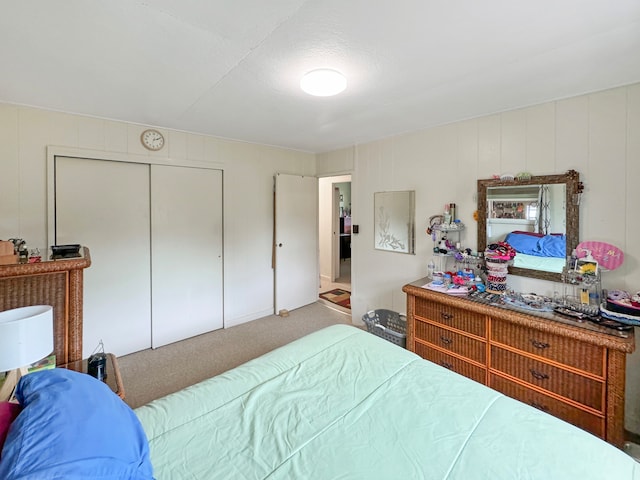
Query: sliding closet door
{"points": [[104, 205], [186, 246]]}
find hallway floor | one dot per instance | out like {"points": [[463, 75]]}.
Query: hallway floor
{"points": [[343, 282]]}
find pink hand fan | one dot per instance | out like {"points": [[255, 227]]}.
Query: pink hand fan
{"points": [[608, 256]]}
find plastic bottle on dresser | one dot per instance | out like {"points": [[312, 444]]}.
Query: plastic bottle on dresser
{"points": [[431, 267]]}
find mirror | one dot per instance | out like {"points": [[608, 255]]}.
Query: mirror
{"points": [[538, 216], [394, 226]]}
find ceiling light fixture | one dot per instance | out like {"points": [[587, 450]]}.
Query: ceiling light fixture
{"points": [[323, 82]]}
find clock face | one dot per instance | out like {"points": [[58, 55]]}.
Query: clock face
{"points": [[152, 139]]}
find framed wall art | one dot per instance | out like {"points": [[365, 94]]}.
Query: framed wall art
{"points": [[394, 222]]}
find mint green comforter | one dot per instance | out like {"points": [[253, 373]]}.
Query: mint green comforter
{"points": [[344, 404]]}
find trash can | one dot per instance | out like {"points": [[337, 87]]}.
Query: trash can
{"points": [[387, 324]]}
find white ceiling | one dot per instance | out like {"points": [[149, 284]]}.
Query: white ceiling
{"points": [[232, 68]]}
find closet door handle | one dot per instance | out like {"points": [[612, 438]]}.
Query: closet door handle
{"points": [[538, 375]]}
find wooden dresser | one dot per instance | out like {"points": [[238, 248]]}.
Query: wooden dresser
{"points": [[58, 283], [572, 372]]}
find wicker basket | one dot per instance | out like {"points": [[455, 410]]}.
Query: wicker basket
{"points": [[387, 324]]}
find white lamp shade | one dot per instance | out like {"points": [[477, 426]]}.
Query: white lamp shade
{"points": [[26, 335]]}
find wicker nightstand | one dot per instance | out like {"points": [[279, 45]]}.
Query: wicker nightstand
{"points": [[113, 378]]}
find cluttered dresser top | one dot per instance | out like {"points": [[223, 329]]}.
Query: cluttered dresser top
{"points": [[544, 321]]}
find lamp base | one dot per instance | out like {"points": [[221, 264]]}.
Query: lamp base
{"points": [[10, 381]]}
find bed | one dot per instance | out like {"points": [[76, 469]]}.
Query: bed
{"points": [[537, 251], [535, 262], [339, 403]]}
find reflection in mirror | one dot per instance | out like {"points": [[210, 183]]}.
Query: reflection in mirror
{"points": [[532, 219], [394, 227], [537, 216]]}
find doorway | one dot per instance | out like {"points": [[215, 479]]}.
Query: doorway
{"points": [[334, 216]]}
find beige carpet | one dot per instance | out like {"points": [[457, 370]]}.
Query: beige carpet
{"points": [[151, 374]]}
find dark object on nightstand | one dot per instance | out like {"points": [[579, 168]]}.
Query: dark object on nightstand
{"points": [[111, 377], [65, 251], [97, 366]]}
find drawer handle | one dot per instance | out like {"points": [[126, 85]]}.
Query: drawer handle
{"points": [[446, 316], [539, 375], [538, 344], [539, 406], [446, 365], [445, 340]]}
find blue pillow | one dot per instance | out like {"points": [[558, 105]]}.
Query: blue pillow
{"points": [[539, 246], [553, 246], [73, 426], [523, 243]]}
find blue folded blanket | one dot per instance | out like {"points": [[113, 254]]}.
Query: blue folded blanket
{"points": [[539, 246]]}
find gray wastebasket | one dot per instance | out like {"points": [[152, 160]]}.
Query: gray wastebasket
{"points": [[387, 324]]}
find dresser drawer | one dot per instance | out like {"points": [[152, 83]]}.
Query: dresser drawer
{"points": [[581, 389], [585, 420], [452, 363], [453, 317], [566, 350], [449, 340]]}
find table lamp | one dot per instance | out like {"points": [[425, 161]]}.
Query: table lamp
{"points": [[26, 335]]}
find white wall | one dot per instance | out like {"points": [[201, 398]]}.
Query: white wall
{"points": [[26, 132], [598, 135]]}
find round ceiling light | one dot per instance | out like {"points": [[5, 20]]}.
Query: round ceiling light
{"points": [[323, 82]]}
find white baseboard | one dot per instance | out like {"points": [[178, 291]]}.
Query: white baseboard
{"points": [[228, 323]]}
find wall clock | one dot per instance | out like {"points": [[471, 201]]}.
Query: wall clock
{"points": [[152, 139]]}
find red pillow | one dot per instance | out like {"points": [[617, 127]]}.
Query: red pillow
{"points": [[8, 412]]}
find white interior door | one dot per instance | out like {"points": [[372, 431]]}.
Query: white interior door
{"points": [[186, 239], [296, 241], [104, 205]]}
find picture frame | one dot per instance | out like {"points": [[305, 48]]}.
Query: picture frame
{"points": [[586, 267], [394, 225]]}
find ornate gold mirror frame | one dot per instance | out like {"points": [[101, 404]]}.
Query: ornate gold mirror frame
{"points": [[573, 191]]}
